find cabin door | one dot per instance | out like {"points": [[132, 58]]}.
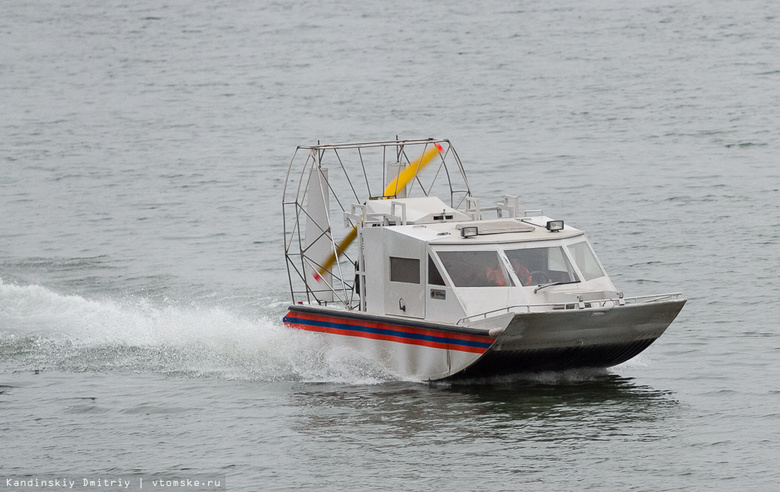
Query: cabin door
{"points": [[405, 291]]}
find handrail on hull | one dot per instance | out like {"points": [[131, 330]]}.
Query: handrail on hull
{"points": [[554, 306]]}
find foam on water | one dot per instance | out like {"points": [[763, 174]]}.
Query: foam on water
{"points": [[43, 330]]}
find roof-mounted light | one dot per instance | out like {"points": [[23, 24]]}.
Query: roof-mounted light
{"points": [[469, 231], [554, 225]]}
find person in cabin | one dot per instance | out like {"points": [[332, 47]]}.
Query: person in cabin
{"points": [[495, 277], [522, 272]]}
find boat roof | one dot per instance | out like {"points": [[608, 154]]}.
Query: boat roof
{"points": [[431, 220], [450, 232]]}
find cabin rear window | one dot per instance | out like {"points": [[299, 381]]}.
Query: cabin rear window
{"points": [[405, 270], [474, 268]]}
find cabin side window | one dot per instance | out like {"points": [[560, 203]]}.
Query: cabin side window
{"points": [[405, 270], [586, 260], [434, 276], [534, 266], [474, 268]]}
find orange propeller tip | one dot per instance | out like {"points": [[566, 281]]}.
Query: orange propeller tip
{"points": [[438, 146], [317, 277]]}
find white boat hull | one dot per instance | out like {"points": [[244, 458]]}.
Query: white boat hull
{"points": [[410, 348]]}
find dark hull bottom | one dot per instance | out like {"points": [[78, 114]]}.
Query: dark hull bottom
{"points": [[494, 363]]}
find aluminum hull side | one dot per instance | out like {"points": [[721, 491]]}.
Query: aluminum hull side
{"points": [[561, 340]]}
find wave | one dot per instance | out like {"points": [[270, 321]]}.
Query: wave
{"points": [[43, 330]]}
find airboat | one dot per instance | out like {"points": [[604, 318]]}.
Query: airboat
{"points": [[389, 253]]}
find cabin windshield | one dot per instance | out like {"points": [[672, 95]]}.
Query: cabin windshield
{"points": [[475, 268], [535, 266], [586, 260]]}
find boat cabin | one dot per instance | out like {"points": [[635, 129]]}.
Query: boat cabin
{"points": [[423, 259]]}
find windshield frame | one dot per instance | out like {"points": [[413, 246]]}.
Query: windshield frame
{"points": [[564, 247]]}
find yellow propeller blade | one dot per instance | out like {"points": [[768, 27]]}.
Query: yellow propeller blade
{"points": [[340, 247], [399, 183], [408, 174]]}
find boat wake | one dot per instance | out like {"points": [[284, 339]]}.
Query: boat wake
{"points": [[42, 330]]}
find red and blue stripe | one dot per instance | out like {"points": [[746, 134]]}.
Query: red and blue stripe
{"points": [[377, 330]]}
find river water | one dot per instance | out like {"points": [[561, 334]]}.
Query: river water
{"points": [[143, 149]]}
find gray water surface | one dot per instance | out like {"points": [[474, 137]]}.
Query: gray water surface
{"points": [[143, 149]]}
